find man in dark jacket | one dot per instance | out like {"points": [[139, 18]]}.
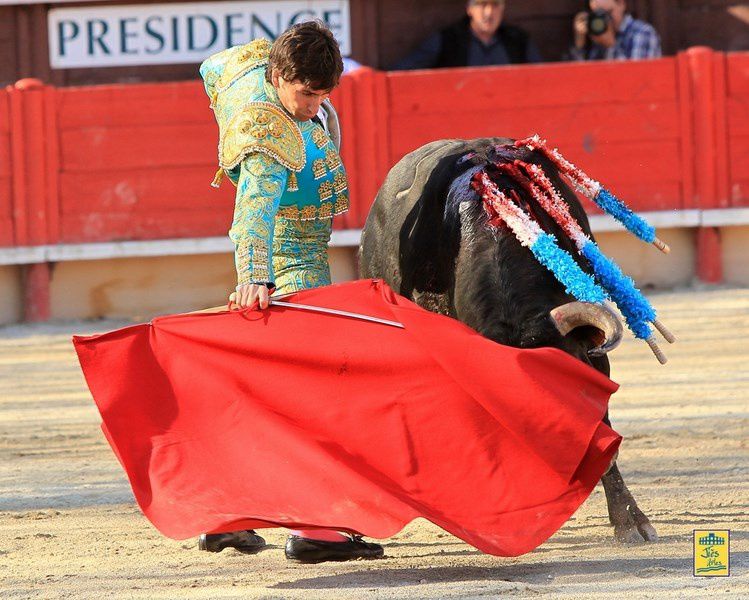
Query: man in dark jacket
{"points": [[479, 39]]}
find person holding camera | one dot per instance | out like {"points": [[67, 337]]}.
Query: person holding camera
{"points": [[606, 31]]}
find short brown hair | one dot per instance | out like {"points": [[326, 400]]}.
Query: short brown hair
{"points": [[307, 52]]}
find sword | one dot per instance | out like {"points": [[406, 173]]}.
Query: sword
{"points": [[333, 311]]}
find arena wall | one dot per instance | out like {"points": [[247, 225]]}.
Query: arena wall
{"points": [[105, 178]]}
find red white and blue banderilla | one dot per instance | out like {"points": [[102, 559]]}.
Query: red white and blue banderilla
{"points": [[612, 283], [637, 311], [592, 189]]}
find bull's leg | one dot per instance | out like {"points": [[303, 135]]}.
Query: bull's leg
{"points": [[630, 523]]}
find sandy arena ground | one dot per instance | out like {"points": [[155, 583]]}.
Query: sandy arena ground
{"points": [[69, 527]]}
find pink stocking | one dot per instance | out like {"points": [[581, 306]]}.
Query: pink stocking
{"points": [[323, 535]]}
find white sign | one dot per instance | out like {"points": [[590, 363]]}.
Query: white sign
{"points": [[157, 34]]}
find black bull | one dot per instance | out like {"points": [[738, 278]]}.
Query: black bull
{"points": [[427, 236]]}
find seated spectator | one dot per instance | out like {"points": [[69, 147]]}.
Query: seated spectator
{"points": [[608, 32], [479, 39]]}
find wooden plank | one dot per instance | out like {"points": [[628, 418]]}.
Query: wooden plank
{"points": [[588, 126], [6, 188], [5, 153], [738, 128], [643, 196], [738, 75], [6, 195], [134, 105], [6, 232], [686, 118], [4, 113], [104, 227], [739, 158], [648, 160], [645, 161], [143, 190], [480, 89], [6, 212], [117, 148], [740, 193], [720, 119], [738, 115], [52, 164]]}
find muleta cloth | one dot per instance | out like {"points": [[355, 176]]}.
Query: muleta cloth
{"points": [[285, 418]]}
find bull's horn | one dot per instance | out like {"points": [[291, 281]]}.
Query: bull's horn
{"points": [[584, 314]]}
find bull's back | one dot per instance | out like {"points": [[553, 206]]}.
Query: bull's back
{"points": [[395, 211]]}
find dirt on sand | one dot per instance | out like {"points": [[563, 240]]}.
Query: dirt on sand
{"points": [[69, 527]]}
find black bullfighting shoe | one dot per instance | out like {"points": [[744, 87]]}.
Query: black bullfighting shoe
{"points": [[314, 551], [247, 541]]}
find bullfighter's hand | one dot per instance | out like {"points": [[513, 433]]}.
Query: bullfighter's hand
{"points": [[248, 295]]}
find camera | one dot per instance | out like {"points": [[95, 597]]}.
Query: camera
{"points": [[598, 22]]}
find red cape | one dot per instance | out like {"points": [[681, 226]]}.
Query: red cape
{"points": [[249, 419]]}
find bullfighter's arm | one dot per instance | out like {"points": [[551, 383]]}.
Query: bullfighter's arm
{"points": [[261, 183]]}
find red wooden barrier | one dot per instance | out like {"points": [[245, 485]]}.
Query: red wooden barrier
{"points": [[619, 121], [137, 162], [738, 127], [6, 183], [362, 104], [134, 162]]}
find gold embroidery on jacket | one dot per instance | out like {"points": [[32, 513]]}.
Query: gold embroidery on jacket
{"points": [[252, 262], [310, 213], [332, 159], [325, 191], [341, 203], [319, 137], [293, 183], [318, 168], [266, 128], [244, 59], [339, 182]]}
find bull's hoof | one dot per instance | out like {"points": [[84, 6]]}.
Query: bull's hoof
{"points": [[635, 531]]}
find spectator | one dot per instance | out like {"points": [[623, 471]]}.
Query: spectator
{"points": [[621, 36], [479, 39]]}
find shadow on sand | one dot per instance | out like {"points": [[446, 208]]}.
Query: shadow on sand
{"points": [[531, 573]]}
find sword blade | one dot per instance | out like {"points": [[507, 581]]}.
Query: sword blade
{"points": [[338, 313]]}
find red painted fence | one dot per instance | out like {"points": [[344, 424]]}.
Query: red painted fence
{"points": [[6, 189], [134, 162], [737, 100]]}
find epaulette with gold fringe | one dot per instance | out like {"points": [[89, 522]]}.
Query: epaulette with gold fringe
{"points": [[261, 127], [244, 59]]}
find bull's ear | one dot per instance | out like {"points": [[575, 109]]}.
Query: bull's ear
{"points": [[595, 322]]}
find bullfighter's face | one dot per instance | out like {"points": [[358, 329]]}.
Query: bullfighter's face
{"points": [[299, 100]]}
